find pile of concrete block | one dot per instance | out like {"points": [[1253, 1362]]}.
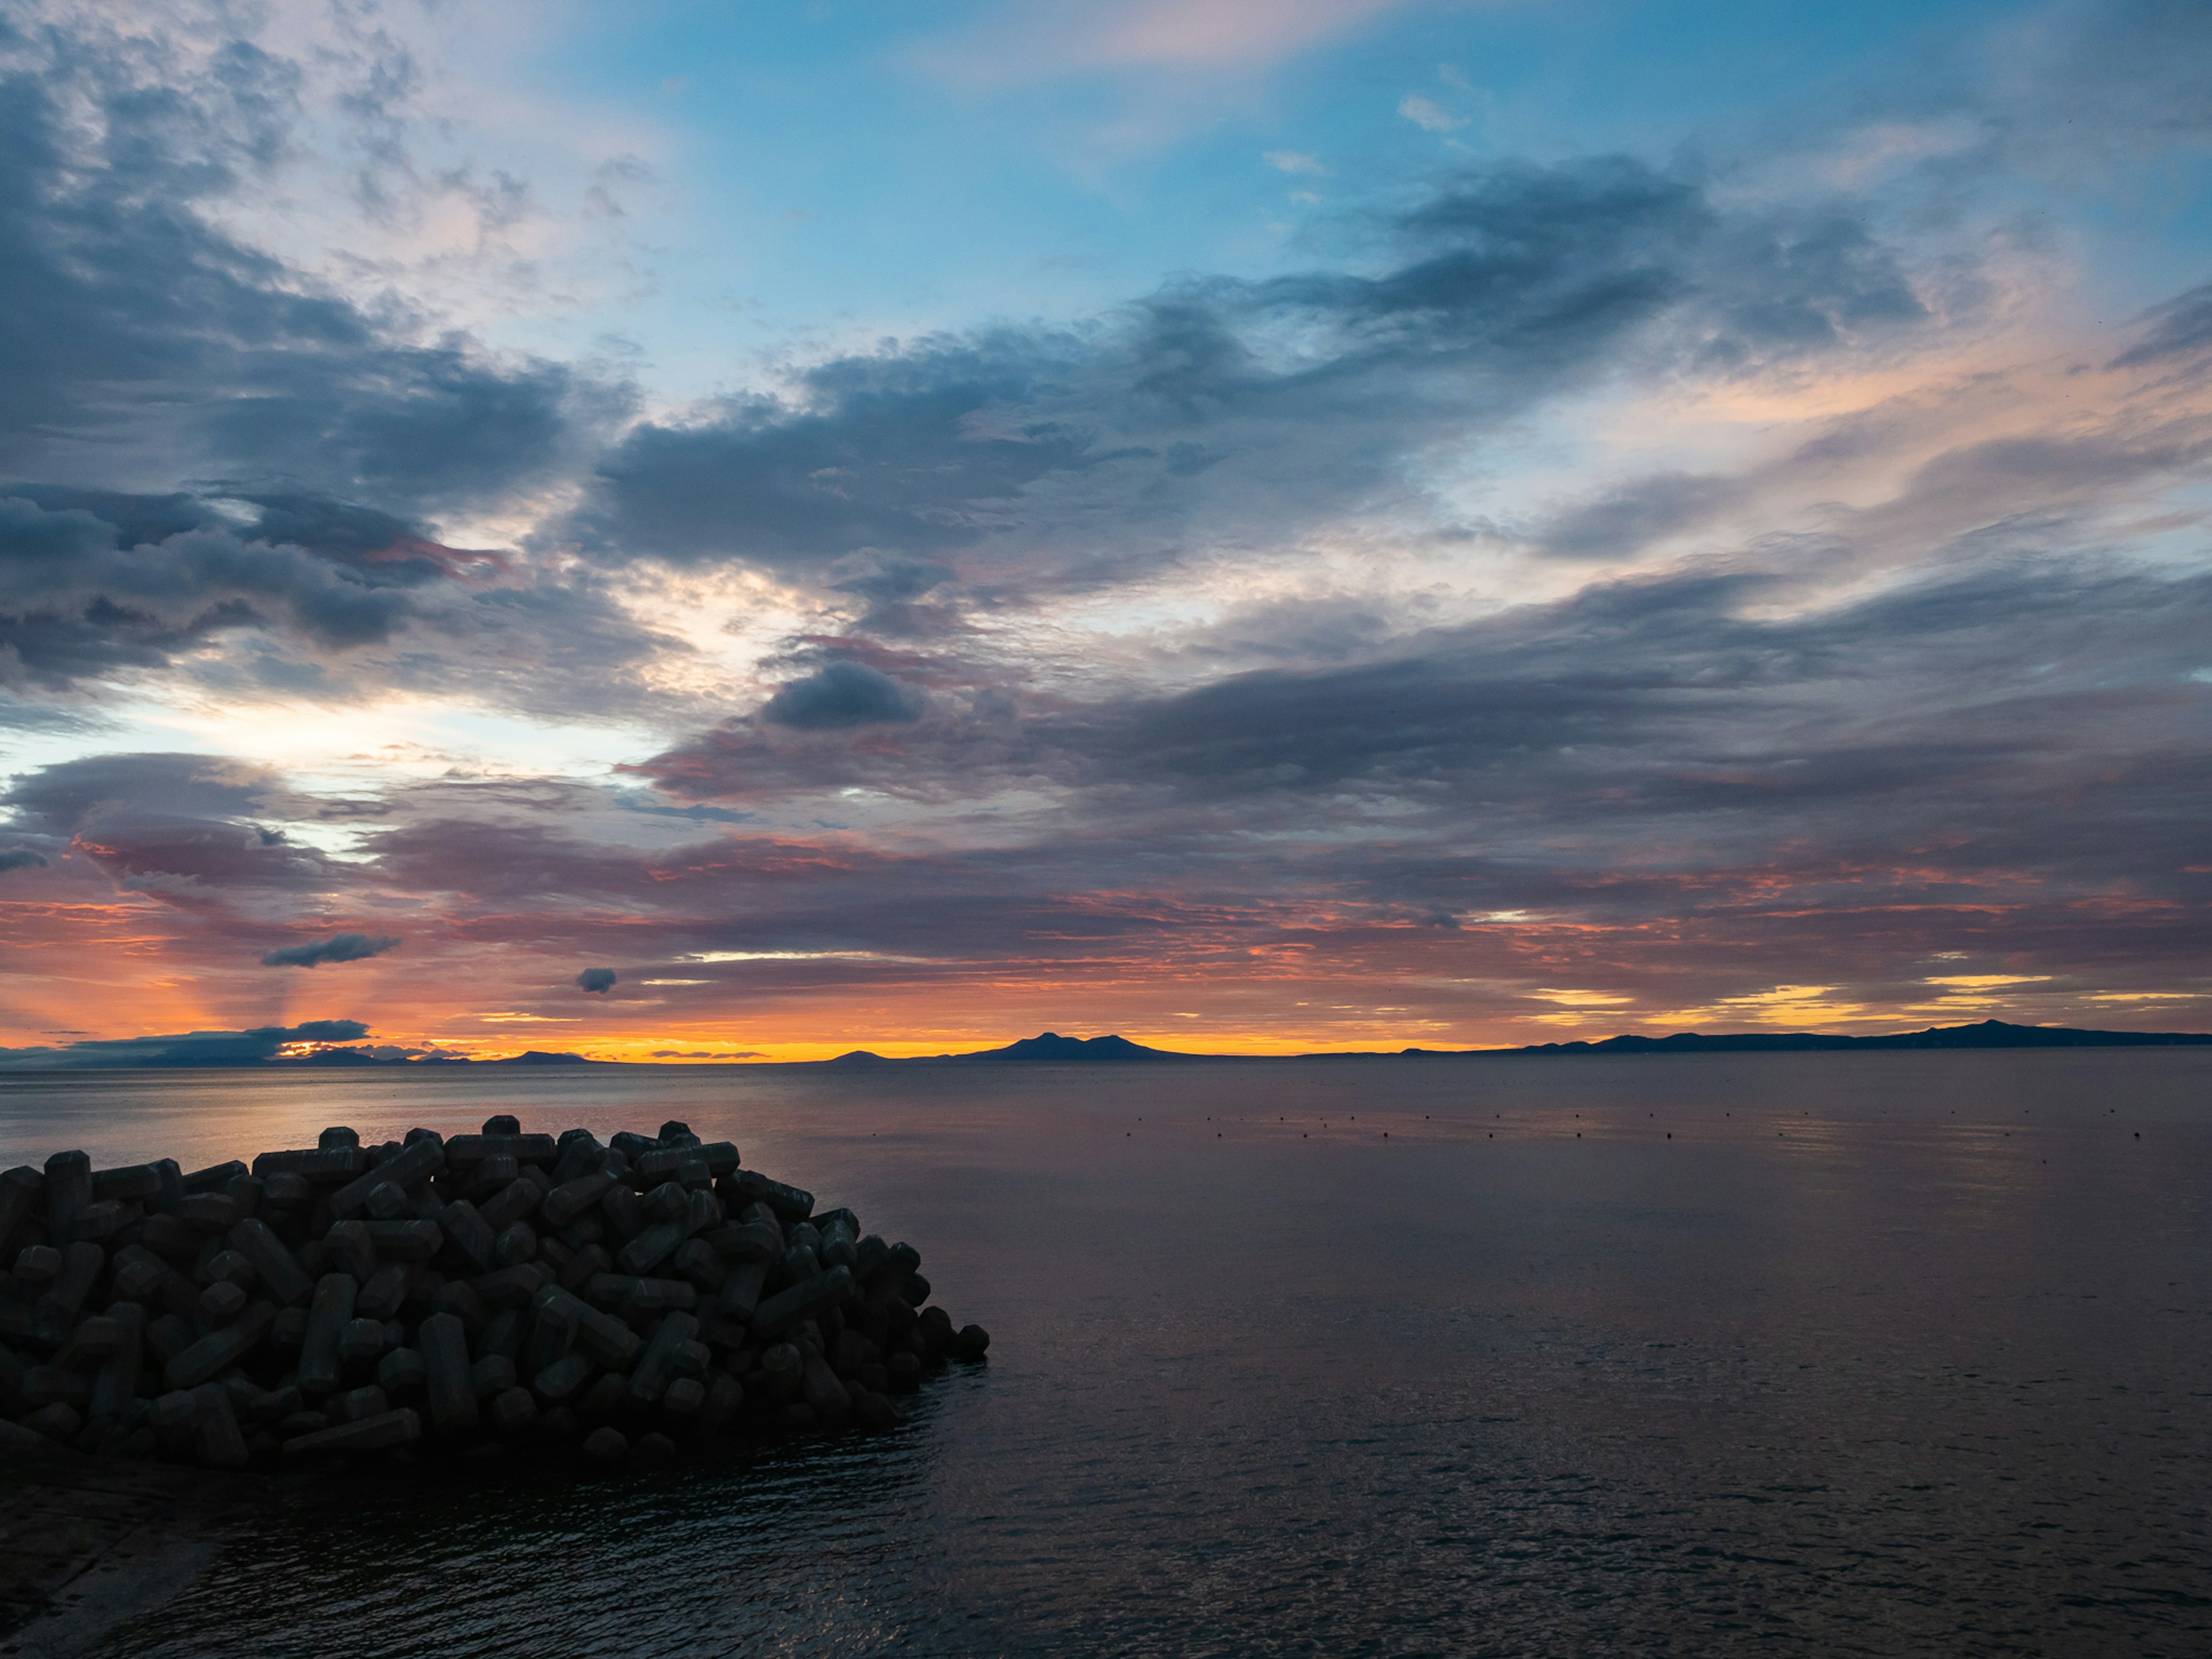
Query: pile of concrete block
{"points": [[486, 1292]]}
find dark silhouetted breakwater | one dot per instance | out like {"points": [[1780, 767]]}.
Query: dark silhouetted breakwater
{"points": [[445, 1296]]}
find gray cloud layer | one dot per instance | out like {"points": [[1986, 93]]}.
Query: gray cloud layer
{"points": [[248, 1048], [339, 947], [1224, 411], [119, 295]]}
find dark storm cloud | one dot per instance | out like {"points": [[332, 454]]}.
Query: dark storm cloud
{"points": [[1700, 774], [175, 823], [1669, 694], [1603, 752], [842, 695], [80, 603], [1515, 266], [1226, 407], [140, 344], [116, 294], [596, 979], [390, 550], [70, 795], [339, 947], [97, 583], [884, 457], [248, 1048], [649, 805], [21, 858]]}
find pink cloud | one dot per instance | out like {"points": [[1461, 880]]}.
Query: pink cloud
{"points": [[1042, 41]]}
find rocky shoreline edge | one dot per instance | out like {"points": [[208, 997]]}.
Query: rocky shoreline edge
{"points": [[455, 1297]]}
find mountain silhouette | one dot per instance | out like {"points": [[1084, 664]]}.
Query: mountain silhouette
{"points": [[1988, 1033], [1047, 1047]]}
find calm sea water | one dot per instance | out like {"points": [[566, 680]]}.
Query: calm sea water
{"points": [[1878, 1354]]}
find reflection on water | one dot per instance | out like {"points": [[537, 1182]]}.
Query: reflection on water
{"points": [[1878, 1354]]}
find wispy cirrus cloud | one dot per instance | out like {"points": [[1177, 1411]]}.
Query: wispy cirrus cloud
{"points": [[1046, 40], [1428, 114]]}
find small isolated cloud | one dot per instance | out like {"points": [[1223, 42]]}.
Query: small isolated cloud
{"points": [[1294, 160], [596, 979], [844, 694], [1429, 116], [339, 947], [21, 858]]}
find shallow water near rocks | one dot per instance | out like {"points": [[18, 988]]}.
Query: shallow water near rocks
{"points": [[1879, 1354]]}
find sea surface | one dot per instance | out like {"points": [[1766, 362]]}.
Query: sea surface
{"points": [[1853, 1354]]}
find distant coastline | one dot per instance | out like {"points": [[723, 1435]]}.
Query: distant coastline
{"points": [[1051, 1048]]}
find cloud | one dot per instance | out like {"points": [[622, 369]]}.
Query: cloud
{"points": [[1627, 520], [118, 287], [339, 947], [141, 342], [1045, 38], [177, 822], [2179, 329], [1428, 115], [1294, 161], [67, 796], [596, 979], [842, 695], [1188, 426], [80, 605], [21, 858], [247, 1048], [1648, 750], [97, 585]]}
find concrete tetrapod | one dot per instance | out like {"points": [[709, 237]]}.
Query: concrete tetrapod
{"points": [[435, 1297]]}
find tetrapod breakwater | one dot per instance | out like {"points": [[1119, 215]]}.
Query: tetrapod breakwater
{"points": [[450, 1297]]}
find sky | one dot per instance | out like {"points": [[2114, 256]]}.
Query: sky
{"points": [[728, 532]]}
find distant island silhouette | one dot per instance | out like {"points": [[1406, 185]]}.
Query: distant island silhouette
{"points": [[362, 1057], [1050, 1048], [1047, 1046], [1988, 1033]]}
